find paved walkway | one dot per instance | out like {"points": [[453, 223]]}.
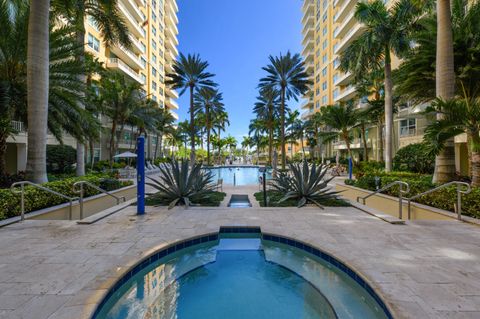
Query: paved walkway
{"points": [[58, 269]]}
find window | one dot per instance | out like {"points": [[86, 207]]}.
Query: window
{"points": [[335, 32], [160, 90], [154, 58], [154, 97], [324, 31], [324, 99], [325, 3], [407, 127], [161, 78], [144, 47], [154, 30], [324, 44], [154, 4], [154, 45], [335, 46], [317, 78], [336, 63], [324, 71], [324, 59], [154, 86], [154, 17], [324, 17], [317, 104], [335, 78], [144, 78], [92, 22], [317, 91], [154, 72], [144, 62], [93, 42], [335, 93], [324, 85]]}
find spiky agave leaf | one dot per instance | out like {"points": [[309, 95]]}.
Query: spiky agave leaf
{"points": [[307, 184], [180, 184]]}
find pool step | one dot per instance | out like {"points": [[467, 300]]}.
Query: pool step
{"points": [[239, 244]]}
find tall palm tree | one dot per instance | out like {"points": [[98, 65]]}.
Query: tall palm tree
{"points": [[190, 73], [164, 126], [445, 87], [267, 110], [256, 129], [37, 93], [184, 132], [387, 31], [341, 120], [106, 16], [120, 98], [295, 129], [220, 122], [210, 102], [314, 126], [286, 74]]}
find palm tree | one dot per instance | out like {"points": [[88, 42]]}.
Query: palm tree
{"points": [[184, 132], [266, 109], [209, 101], [164, 126], [341, 121], [112, 27], [120, 98], [220, 122], [190, 73], [231, 143], [458, 116], [256, 128], [286, 74], [387, 31], [247, 142], [37, 93], [295, 128], [313, 126]]}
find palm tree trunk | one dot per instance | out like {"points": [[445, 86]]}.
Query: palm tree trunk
{"points": [[160, 145], [219, 147], [92, 155], [80, 38], [388, 112], [270, 145], [207, 125], [3, 151], [156, 150], [445, 87], [111, 148], [282, 133], [192, 129], [38, 88], [364, 140]]}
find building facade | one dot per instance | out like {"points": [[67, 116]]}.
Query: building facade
{"points": [[152, 25], [329, 27]]}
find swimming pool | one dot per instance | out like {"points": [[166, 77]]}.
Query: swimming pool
{"points": [[238, 175], [241, 273]]}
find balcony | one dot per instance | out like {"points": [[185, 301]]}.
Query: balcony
{"points": [[344, 79], [307, 103], [308, 6], [141, 3], [309, 46], [347, 7], [354, 33], [346, 25], [133, 25], [355, 143], [136, 45], [175, 115], [133, 9], [305, 115], [171, 24], [172, 104], [127, 56], [18, 126], [309, 68], [172, 93], [346, 94], [171, 46], [172, 36], [115, 63]]}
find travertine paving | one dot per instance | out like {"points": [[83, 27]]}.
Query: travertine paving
{"points": [[58, 269]]}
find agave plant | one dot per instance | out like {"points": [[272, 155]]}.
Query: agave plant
{"points": [[307, 184], [181, 185]]}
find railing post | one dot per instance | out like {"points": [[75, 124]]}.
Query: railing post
{"points": [[459, 203], [80, 201], [400, 204], [409, 209], [22, 203]]}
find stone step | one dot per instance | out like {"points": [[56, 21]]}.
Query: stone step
{"points": [[105, 213]]}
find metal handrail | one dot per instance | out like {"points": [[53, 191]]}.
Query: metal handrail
{"points": [[401, 191], [22, 193], [459, 195], [81, 193]]}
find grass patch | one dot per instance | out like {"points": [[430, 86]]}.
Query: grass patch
{"points": [[213, 200], [274, 196]]}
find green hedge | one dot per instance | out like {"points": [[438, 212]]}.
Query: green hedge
{"points": [[419, 183], [36, 199]]}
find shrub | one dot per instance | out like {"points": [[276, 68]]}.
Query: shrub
{"points": [[8, 179], [36, 199], [414, 158], [60, 158], [274, 197], [368, 168]]}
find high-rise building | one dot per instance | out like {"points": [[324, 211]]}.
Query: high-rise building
{"points": [[152, 26], [329, 27]]}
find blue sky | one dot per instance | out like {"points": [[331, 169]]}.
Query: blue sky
{"points": [[236, 37]]}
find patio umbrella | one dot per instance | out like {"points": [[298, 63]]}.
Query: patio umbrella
{"points": [[126, 155]]}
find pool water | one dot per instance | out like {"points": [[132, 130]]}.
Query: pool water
{"points": [[238, 175], [240, 278]]}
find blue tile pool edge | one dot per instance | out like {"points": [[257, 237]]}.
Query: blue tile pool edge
{"points": [[179, 245], [359, 279]]}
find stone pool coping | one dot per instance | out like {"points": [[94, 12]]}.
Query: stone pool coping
{"points": [[58, 269]]}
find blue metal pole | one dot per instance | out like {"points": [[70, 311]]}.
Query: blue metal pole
{"points": [[140, 175], [350, 167]]}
